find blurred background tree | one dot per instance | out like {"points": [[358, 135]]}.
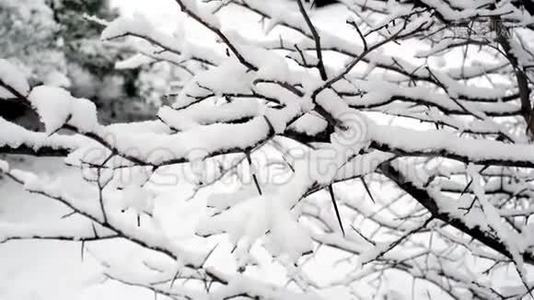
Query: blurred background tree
{"points": [[90, 64], [54, 42]]}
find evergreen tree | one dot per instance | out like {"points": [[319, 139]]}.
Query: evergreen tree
{"points": [[91, 64], [54, 42]]}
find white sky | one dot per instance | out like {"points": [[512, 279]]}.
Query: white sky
{"points": [[152, 7], [162, 13]]}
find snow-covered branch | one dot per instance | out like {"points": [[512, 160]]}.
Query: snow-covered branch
{"points": [[405, 146]]}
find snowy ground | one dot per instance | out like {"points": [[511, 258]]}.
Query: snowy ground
{"points": [[35, 270]]}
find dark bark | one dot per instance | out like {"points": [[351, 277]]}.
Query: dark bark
{"points": [[322, 3], [422, 196]]}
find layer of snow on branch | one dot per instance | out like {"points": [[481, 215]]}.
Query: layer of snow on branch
{"points": [[208, 113], [15, 136], [13, 77], [57, 107], [4, 166], [121, 26]]}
